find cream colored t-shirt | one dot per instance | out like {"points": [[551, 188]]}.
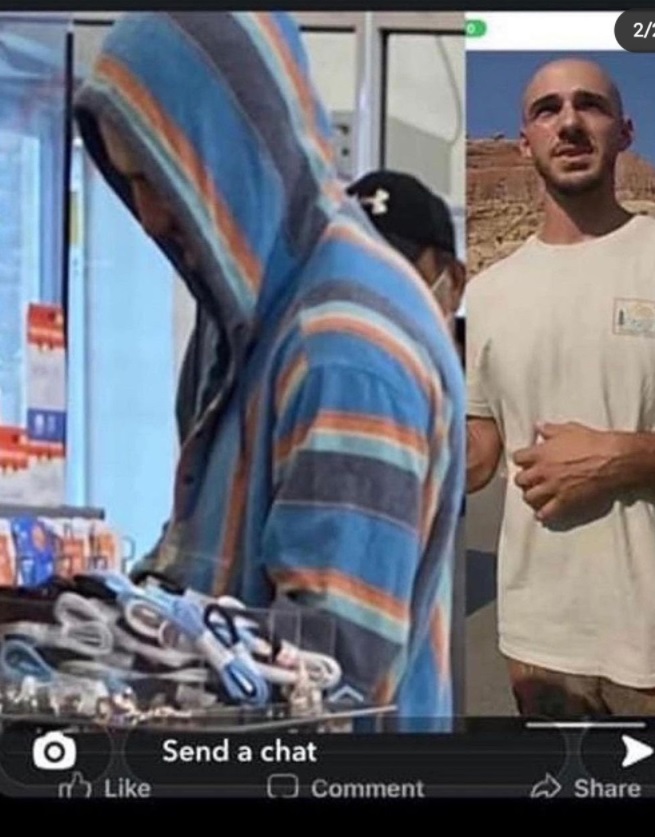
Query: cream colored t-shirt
{"points": [[567, 333]]}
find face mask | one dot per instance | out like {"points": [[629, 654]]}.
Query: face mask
{"points": [[441, 289], [440, 283]]}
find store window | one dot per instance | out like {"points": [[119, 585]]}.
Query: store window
{"points": [[32, 186], [122, 364], [333, 61], [424, 129]]}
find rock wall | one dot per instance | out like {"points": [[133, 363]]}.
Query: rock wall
{"points": [[503, 197]]}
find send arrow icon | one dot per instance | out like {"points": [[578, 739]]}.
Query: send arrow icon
{"points": [[635, 751]]}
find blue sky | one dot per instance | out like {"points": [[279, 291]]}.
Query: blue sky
{"points": [[495, 82]]}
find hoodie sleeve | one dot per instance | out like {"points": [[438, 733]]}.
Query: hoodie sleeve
{"points": [[354, 490]]}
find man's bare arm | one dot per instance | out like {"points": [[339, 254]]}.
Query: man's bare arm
{"points": [[633, 466], [575, 466], [484, 446]]}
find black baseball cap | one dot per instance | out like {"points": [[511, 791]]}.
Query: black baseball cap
{"points": [[405, 212]]}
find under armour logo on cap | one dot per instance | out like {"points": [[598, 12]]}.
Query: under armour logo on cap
{"points": [[406, 212], [378, 202]]}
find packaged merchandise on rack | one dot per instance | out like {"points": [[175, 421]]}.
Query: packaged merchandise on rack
{"points": [[101, 649], [36, 550], [83, 643], [7, 555], [33, 548]]}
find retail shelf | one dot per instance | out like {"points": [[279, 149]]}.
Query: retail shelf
{"points": [[55, 512]]}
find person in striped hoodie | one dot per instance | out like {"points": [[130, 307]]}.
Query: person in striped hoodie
{"points": [[321, 401]]}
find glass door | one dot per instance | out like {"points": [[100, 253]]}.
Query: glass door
{"points": [[33, 164]]}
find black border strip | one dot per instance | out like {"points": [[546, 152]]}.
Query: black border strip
{"points": [[82, 21], [328, 30], [458, 33]]}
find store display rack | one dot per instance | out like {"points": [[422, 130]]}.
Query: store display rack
{"points": [[52, 512], [224, 720]]}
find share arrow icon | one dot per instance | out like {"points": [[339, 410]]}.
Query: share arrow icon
{"points": [[635, 751]]}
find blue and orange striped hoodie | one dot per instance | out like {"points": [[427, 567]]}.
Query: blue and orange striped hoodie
{"points": [[322, 408]]}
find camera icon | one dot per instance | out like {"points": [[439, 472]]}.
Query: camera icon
{"points": [[54, 751]]}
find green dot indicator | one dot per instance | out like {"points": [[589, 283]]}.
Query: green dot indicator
{"points": [[475, 28]]}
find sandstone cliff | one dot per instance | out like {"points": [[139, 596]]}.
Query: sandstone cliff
{"points": [[503, 197]]}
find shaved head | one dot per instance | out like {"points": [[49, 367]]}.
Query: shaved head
{"points": [[573, 126], [585, 73]]}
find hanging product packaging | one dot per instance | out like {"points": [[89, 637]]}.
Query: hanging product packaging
{"points": [[35, 550], [73, 546], [7, 555], [108, 549]]}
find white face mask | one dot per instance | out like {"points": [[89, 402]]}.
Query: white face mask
{"points": [[443, 280], [442, 291], [442, 288]]}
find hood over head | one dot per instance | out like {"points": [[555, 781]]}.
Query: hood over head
{"points": [[221, 115]]}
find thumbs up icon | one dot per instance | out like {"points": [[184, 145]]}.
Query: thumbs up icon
{"points": [[77, 788]]}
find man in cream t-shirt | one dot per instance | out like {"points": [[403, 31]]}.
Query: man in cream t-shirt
{"points": [[561, 378]]}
